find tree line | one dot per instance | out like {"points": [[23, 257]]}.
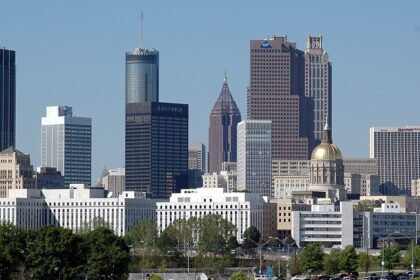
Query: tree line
{"points": [[54, 252]]}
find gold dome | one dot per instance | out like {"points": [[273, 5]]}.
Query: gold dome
{"points": [[326, 151]]}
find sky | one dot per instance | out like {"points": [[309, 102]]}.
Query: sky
{"points": [[73, 53]]}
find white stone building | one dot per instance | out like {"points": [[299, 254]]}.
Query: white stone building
{"points": [[330, 224], [223, 179], [241, 209], [75, 208]]}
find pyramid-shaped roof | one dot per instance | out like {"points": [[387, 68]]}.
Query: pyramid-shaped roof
{"points": [[225, 103], [11, 150]]}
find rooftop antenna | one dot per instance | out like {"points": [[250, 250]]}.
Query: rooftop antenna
{"points": [[141, 32], [225, 76]]}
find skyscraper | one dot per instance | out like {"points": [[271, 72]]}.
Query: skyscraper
{"points": [[197, 157], [224, 118], [7, 98], [318, 85], [254, 157], [397, 151], [156, 148], [66, 144], [276, 93], [142, 76]]}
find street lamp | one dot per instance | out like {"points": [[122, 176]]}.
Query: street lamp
{"points": [[270, 238], [383, 249]]}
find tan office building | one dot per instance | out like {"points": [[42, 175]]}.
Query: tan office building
{"points": [[16, 171]]}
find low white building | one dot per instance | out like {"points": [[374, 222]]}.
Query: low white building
{"points": [[76, 208], [331, 225], [241, 209]]}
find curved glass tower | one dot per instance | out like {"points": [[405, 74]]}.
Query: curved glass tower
{"points": [[142, 76]]}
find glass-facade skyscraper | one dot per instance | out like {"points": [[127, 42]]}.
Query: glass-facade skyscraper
{"points": [[66, 144], [156, 148], [142, 76], [7, 98]]}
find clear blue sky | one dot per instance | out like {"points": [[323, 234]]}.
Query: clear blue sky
{"points": [[72, 53]]}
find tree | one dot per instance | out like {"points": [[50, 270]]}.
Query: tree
{"points": [[214, 232], [365, 206], [332, 261], [143, 236], [232, 243], [391, 255], [349, 259], [155, 277], [365, 261], [52, 252], [107, 254], [166, 243], [252, 235], [289, 241], [312, 257], [12, 250], [238, 275], [408, 257]]}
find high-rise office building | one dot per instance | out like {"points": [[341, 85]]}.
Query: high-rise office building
{"points": [[66, 144], [397, 151], [156, 148], [7, 98], [318, 85], [197, 157], [276, 93], [224, 118], [142, 76], [254, 157]]}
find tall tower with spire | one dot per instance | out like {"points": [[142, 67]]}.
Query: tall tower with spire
{"points": [[224, 119]]}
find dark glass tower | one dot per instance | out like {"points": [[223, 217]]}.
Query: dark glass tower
{"points": [[7, 98], [156, 148], [142, 76], [224, 119]]}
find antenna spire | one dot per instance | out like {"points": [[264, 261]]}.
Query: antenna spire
{"points": [[141, 32], [225, 76]]}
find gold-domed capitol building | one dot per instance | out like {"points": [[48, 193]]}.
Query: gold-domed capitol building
{"points": [[327, 169]]}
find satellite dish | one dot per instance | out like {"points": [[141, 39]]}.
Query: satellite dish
{"points": [[109, 195]]}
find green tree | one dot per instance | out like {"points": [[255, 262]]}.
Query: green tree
{"points": [[107, 254], [142, 234], [232, 243], [312, 258], [365, 261], [365, 206], [214, 233], [166, 243], [252, 234], [155, 277], [53, 252], [332, 261], [12, 250], [239, 275], [391, 255], [349, 259], [410, 256]]}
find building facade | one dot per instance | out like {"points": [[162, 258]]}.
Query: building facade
{"points": [[361, 165], [113, 181], [224, 119], [223, 179], [276, 93], [254, 157], [284, 186], [156, 148], [66, 144], [49, 178], [318, 83], [397, 151], [197, 157], [76, 208], [16, 171], [7, 98], [241, 209], [142, 76], [330, 225]]}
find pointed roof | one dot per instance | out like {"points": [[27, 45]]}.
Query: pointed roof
{"points": [[11, 150], [105, 172], [225, 102]]}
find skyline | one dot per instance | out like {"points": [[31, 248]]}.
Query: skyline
{"points": [[365, 72]]}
